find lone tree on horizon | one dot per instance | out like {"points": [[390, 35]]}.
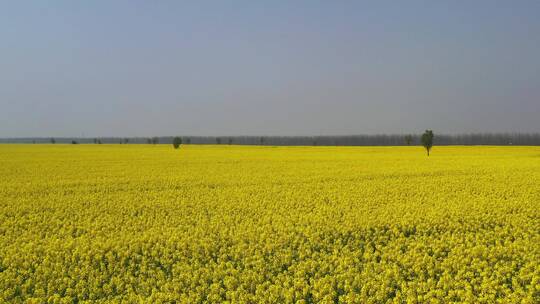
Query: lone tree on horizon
{"points": [[177, 141], [427, 140]]}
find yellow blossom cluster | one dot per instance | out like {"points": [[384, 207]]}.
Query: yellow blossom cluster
{"points": [[239, 224]]}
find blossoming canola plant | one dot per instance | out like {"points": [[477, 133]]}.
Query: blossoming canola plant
{"points": [[229, 224]]}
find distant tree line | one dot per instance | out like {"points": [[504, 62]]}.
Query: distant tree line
{"points": [[527, 139]]}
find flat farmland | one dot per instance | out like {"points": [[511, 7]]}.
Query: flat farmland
{"points": [[254, 224]]}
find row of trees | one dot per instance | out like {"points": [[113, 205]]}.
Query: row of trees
{"points": [[426, 139], [531, 139], [361, 140]]}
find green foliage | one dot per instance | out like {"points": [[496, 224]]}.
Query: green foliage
{"points": [[177, 141], [427, 140], [408, 139]]}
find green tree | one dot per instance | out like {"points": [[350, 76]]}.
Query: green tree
{"points": [[53, 141], [188, 140], [230, 140], [177, 141], [155, 140], [126, 140], [74, 142], [427, 140], [218, 140], [408, 139]]}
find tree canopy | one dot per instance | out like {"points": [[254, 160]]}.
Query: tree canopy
{"points": [[427, 140]]}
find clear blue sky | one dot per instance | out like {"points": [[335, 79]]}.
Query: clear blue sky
{"points": [[143, 68]]}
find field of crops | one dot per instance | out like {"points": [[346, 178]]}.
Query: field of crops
{"points": [[232, 224]]}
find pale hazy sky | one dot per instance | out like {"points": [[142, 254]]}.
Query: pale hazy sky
{"points": [[143, 68]]}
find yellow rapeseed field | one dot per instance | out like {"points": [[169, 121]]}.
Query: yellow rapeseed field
{"points": [[233, 224]]}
